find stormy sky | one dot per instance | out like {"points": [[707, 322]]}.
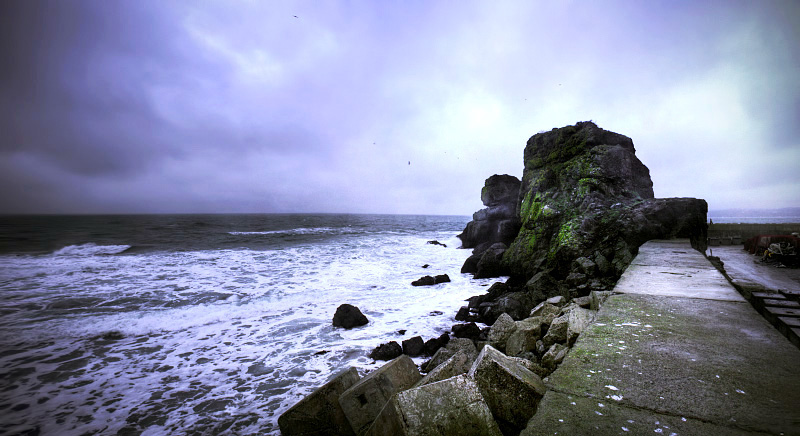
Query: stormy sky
{"points": [[383, 106]]}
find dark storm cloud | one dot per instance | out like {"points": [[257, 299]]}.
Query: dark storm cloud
{"points": [[319, 106]]}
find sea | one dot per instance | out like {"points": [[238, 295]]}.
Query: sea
{"points": [[206, 324]]}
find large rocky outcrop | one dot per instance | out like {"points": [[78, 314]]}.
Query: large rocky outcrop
{"points": [[585, 206], [499, 221]]}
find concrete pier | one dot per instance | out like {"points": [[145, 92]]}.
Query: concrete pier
{"points": [[677, 351]]}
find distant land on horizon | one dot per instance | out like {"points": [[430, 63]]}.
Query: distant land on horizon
{"points": [[741, 212]]}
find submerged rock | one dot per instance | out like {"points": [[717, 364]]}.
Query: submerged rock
{"points": [[424, 281], [320, 413], [348, 316]]}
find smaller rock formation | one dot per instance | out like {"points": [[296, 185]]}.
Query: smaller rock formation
{"points": [[348, 316], [499, 221], [387, 351], [414, 346], [430, 281]]}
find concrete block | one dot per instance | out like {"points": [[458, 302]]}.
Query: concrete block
{"points": [[458, 364], [501, 330], [578, 320], [363, 401], [438, 358], [320, 413], [462, 344], [554, 356], [524, 337], [557, 333], [545, 309], [598, 298], [453, 406], [511, 391]]}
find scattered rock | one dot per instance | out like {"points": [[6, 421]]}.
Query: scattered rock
{"points": [[464, 345], [469, 331], [348, 316], [424, 281], [441, 356], [435, 313], [459, 363], [584, 302], [557, 333], [362, 402], [524, 337], [433, 344], [320, 413], [425, 266], [435, 242], [598, 298], [387, 351], [441, 278], [401, 332], [501, 330], [578, 320], [554, 356], [113, 335], [414, 346], [321, 352], [545, 310]]}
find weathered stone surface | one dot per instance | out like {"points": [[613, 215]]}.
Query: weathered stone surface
{"points": [[387, 351], [511, 391], [501, 330], [458, 363], [362, 402], [453, 406], [524, 338], [544, 310], [585, 301], [554, 355], [441, 356], [414, 346], [348, 316], [578, 320], [499, 222], [491, 262], [320, 413], [584, 191], [557, 333], [557, 300], [598, 297], [462, 344]]}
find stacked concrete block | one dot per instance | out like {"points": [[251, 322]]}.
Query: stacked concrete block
{"points": [[362, 402], [511, 391], [320, 413], [454, 406]]}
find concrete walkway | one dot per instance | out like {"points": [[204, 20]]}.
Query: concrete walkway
{"points": [[680, 352]]}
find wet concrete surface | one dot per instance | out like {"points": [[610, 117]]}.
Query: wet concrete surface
{"points": [[703, 362]]}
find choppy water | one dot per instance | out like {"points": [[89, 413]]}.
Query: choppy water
{"points": [[204, 324]]}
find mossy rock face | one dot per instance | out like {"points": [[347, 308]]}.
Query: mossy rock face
{"points": [[584, 191]]}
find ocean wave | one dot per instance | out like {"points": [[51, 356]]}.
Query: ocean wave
{"points": [[298, 231], [90, 249]]}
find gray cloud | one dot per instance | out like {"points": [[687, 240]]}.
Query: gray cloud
{"points": [[113, 106]]}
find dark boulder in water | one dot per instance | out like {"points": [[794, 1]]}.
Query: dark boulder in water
{"points": [[424, 281], [348, 316], [387, 351], [414, 346], [435, 242], [468, 330], [441, 278], [433, 345]]}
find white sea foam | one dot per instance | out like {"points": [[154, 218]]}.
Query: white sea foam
{"points": [[89, 249], [210, 337]]}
